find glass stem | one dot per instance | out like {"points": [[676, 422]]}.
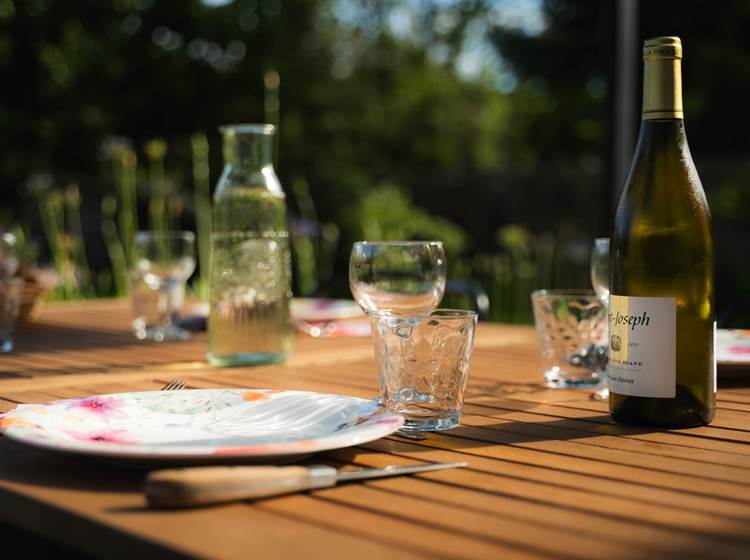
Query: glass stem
{"points": [[165, 306]]}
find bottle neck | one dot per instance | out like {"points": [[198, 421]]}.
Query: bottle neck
{"points": [[662, 89], [249, 151], [657, 135]]}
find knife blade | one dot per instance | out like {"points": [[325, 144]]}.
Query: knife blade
{"points": [[202, 486], [393, 470]]}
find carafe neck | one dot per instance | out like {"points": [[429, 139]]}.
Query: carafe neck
{"points": [[248, 147]]}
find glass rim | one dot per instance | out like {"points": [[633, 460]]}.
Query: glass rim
{"points": [[563, 293], [165, 235], [396, 243], [444, 312], [252, 128]]}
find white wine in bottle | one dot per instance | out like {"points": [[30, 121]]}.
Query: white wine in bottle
{"points": [[662, 369]]}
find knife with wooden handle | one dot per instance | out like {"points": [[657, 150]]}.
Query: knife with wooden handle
{"points": [[201, 486]]}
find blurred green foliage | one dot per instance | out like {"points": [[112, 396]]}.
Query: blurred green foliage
{"points": [[383, 130], [386, 213]]}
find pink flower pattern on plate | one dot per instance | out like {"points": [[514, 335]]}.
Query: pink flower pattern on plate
{"points": [[140, 425], [105, 407], [103, 436]]}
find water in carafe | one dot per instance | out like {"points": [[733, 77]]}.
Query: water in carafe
{"points": [[251, 269]]}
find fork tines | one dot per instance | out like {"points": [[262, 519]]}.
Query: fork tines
{"points": [[174, 385]]}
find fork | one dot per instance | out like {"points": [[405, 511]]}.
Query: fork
{"points": [[174, 385]]}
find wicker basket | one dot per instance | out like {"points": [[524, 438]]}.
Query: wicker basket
{"points": [[38, 282]]}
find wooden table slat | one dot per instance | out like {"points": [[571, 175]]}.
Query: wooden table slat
{"points": [[549, 475]]}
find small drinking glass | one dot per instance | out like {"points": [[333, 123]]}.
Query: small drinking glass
{"points": [[572, 327], [600, 283], [399, 277], [423, 365], [164, 262], [8, 255], [11, 290]]}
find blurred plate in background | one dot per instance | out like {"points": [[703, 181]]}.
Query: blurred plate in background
{"points": [[733, 348], [320, 309], [303, 309]]}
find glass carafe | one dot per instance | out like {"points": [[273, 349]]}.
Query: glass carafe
{"points": [[249, 319]]}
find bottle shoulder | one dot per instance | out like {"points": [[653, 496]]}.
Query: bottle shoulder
{"points": [[663, 180], [239, 182]]}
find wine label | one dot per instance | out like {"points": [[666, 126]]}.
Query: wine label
{"points": [[642, 346]]}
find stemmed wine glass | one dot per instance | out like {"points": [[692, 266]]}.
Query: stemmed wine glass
{"points": [[600, 283], [164, 261], [405, 278], [400, 277]]}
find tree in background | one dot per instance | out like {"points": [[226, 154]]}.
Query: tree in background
{"points": [[559, 105], [487, 113]]}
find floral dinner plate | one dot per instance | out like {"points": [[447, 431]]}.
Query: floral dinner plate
{"points": [[200, 424], [733, 348], [320, 309], [305, 309]]}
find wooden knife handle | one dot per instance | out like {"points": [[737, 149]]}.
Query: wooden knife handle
{"points": [[200, 486]]}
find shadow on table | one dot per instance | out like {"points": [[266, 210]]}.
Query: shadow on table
{"points": [[503, 388], [22, 464], [55, 337], [509, 432], [734, 378], [506, 398], [36, 546]]}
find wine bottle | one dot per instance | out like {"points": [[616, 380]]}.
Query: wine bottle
{"points": [[662, 368]]}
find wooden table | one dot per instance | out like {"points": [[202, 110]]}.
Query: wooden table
{"points": [[549, 475]]}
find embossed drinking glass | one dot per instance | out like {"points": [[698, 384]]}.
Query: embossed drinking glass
{"points": [[423, 365], [571, 326], [400, 277]]}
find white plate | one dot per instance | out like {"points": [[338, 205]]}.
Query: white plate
{"points": [[200, 424], [305, 309], [733, 347], [317, 309]]}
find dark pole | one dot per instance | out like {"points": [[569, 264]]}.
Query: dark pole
{"points": [[623, 94]]}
